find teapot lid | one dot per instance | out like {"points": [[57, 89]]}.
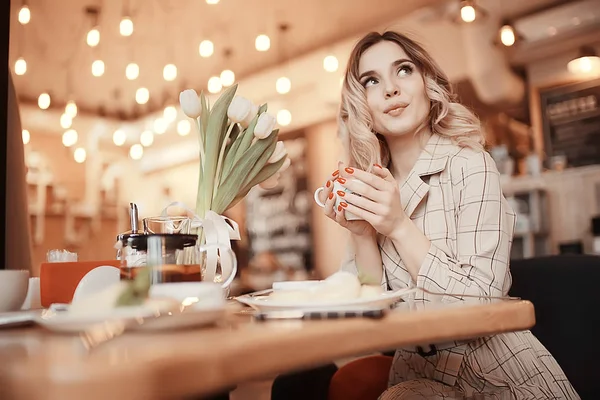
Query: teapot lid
{"points": [[173, 241]]}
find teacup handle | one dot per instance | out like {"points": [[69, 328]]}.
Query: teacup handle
{"points": [[316, 196]]}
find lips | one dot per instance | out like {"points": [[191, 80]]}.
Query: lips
{"points": [[395, 109]]}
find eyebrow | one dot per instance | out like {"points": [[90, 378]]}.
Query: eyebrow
{"points": [[394, 64]]}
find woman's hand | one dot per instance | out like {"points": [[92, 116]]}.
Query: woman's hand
{"points": [[376, 198], [359, 228]]}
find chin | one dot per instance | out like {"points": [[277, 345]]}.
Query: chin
{"points": [[399, 128]]}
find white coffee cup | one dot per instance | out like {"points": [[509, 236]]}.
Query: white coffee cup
{"points": [[338, 199]]}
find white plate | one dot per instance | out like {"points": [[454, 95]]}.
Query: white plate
{"points": [[96, 280], [190, 317], [260, 301]]}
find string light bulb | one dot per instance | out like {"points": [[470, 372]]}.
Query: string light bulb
{"points": [[20, 66], [284, 117], [93, 37], [126, 26], [227, 77], [262, 43], [119, 137], [79, 155], [71, 109], [214, 84], [206, 48], [170, 72], [160, 125], [26, 136], [98, 68], [283, 85], [136, 151], [330, 63], [132, 71], [170, 113], [147, 138], [24, 15], [184, 127], [44, 101], [507, 35], [69, 138], [142, 95], [66, 121]]}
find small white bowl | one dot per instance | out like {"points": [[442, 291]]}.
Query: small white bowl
{"points": [[95, 281], [13, 289], [193, 294]]}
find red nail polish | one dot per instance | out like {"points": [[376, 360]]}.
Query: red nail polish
{"points": [[341, 180], [349, 170], [378, 166], [331, 195], [339, 208], [341, 193], [335, 173], [343, 204], [328, 184]]}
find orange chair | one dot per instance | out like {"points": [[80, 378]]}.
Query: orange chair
{"points": [[362, 379], [59, 280]]}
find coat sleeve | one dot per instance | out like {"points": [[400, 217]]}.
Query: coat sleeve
{"points": [[484, 231]]}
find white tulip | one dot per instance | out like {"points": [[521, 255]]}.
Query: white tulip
{"points": [[270, 182], [264, 125], [242, 111], [285, 165], [190, 103], [278, 154]]}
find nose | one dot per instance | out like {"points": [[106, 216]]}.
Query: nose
{"points": [[391, 91]]}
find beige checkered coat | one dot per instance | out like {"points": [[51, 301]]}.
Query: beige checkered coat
{"points": [[454, 196]]}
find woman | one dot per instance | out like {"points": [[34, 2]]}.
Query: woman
{"points": [[434, 217]]}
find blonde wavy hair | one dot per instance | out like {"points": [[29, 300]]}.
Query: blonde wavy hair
{"points": [[446, 118]]}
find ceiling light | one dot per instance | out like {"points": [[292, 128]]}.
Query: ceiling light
{"points": [[588, 62], [214, 84], [284, 117], [212, 1], [20, 66], [66, 121], [132, 71], [160, 125], [142, 95], [227, 77], [136, 151], [330, 63], [507, 35], [44, 101], [147, 138], [169, 72], [24, 15], [98, 68], [79, 155], [126, 26], [119, 137], [206, 48], [283, 85], [26, 136], [93, 37], [183, 127], [71, 109], [69, 138], [170, 113], [262, 43]]}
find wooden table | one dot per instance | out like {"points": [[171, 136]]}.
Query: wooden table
{"points": [[36, 364]]}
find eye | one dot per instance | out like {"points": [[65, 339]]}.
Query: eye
{"points": [[369, 81], [405, 70]]}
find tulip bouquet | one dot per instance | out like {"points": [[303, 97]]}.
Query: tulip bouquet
{"points": [[238, 148]]}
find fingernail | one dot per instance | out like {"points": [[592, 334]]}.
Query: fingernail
{"points": [[378, 166], [335, 173], [330, 195], [349, 170], [340, 207], [343, 204], [341, 193], [328, 184], [341, 180]]}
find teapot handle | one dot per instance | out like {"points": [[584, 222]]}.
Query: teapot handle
{"points": [[228, 262]]}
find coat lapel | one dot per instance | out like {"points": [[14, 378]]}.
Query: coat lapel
{"points": [[432, 160]]}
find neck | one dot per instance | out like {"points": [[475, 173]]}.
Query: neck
{"points": [[405, 151]]}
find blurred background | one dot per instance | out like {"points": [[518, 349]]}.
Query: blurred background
{"points": [[97, 85]]}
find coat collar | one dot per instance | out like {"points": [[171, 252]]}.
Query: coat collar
{"points": [[432, 160]]}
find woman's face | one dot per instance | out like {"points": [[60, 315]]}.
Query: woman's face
{"points": [[394, 88]]}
